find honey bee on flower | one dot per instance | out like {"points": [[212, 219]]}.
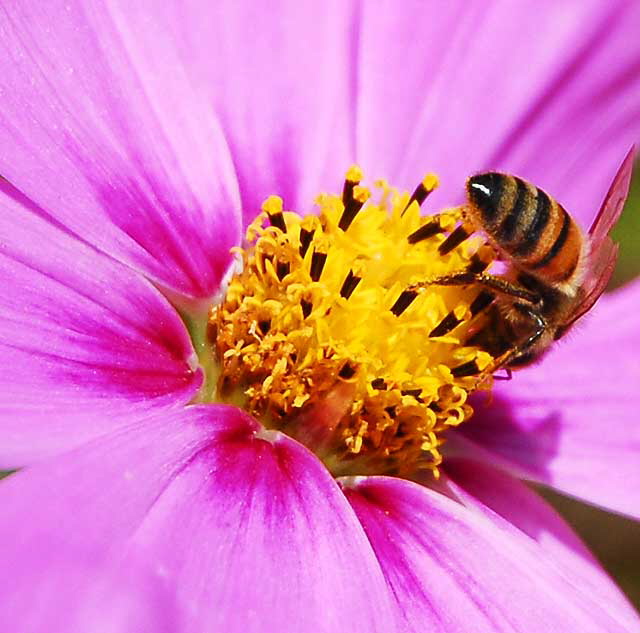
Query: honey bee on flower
{"points": [[554, 274]]}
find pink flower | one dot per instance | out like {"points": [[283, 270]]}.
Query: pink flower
{"points": [[135, 139]]}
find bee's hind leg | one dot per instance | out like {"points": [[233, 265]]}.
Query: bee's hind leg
{"points": [[521, 354]]}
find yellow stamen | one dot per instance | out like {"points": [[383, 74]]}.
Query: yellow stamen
{"points": [[323, 337], [430, 182]]}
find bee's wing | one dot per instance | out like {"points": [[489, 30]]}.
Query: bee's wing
{"points": [[601, 266], [613, 202], [603, 250]]}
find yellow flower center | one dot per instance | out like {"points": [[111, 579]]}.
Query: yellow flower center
{"points": [[324, 336]]}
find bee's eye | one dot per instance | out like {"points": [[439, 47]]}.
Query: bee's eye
{"points": [[485, 192]]}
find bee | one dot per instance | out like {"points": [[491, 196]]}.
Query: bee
{"points": [[554, 271]]}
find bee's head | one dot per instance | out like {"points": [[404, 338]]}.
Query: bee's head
{"points": [[484, 192]]}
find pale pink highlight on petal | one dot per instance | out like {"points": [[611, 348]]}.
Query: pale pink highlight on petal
{"points": [[74, 596], [453, 569]]}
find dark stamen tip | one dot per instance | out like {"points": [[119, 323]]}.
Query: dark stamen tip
{"points": [[282, 269], [277, 220], [415, 393], [305, 240], [482, 301], [455, 238], [405, 299], [347, 371], [477, 265], [391, 412], [470, 368], [351, 209], [425, 232], [306, 306], [445, 326], [318, 260], [349, 285]]}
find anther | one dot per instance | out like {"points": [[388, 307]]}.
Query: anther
{"points": [[282, 269], [352, 206], [482, 301], [392, 411], [349, 285], [414, 393], [459, 235], [347, 371], [379, 383], [264, 326], [470, 368], [428, 184], [266, 257], [273, 208], [476, 265], [481, 259], [318, 260], [305, 240], [405, 299], [445, 326], [306, 306], [352, 178], [425, 232]]}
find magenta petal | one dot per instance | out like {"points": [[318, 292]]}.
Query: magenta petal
{"points": [[489, 490], [94, 599], [249, 534], [84, 341], [571, 421], [101, 126], [537, 88], [282, 76], [453, 569]]}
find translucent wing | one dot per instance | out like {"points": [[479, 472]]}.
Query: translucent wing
{"points": [[604, 251], [613, 202]]}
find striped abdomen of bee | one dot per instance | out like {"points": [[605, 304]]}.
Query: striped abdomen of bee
{"points": [[530, 228]]}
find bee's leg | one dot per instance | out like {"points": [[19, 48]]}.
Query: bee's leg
{"points": [[470, 368], [523, 348], [492, 282], [492, 286], [508, 375]]}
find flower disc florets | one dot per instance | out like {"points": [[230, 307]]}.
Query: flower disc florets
{"points": [[322, 337]]}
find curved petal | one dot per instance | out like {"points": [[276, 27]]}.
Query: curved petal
{"points": [[490, 491], [106, 132], [281, 76], [542, 89], [139, 98], [570, 422], [96, 598], [84, 341], [246, 528], [453, 569]]}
